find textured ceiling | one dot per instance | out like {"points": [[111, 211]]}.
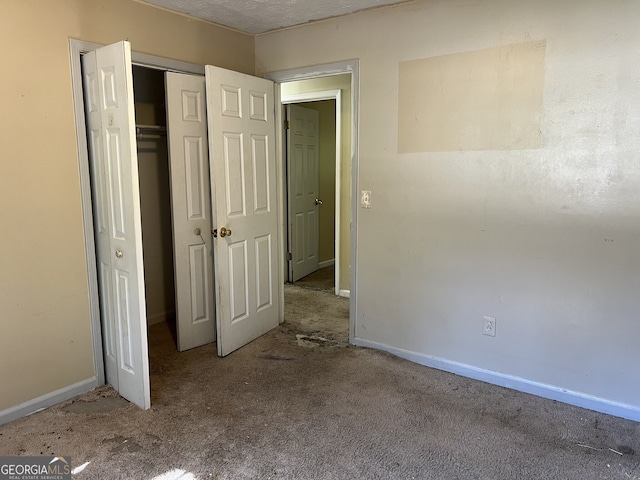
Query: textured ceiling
{"points": [[259, 16]]}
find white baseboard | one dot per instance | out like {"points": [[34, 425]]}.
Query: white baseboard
{"points": [[345, 293], [159, 318], [516, 383], [326, 263], [45, 401]]}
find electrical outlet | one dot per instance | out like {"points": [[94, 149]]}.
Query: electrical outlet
{"points": [[365, 199], [489, 326]]}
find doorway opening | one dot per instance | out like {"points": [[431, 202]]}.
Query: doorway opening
{"points": [[129, 186], [325, 175], [322, 184], [241, 132], [312, 154], [155, 197], [77, 50]]}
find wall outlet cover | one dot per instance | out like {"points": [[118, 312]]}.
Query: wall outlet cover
{"points": [[489, 326]]}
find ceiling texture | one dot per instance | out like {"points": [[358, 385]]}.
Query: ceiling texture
{"points": [[259, 16]]}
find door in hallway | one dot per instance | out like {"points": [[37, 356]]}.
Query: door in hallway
{"points": [[303, 187]]}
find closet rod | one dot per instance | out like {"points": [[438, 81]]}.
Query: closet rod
{"points": [[150, 131]]}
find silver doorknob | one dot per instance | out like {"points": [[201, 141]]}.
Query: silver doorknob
{"points": [[225, 232], [318, 202], [119, 254]]}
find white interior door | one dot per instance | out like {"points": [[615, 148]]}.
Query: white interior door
{"points": [[302, 165], [240, 110], [108, 88], [190, 209]]}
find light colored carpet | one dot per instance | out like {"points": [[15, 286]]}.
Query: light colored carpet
{"points": [[282, 408]]}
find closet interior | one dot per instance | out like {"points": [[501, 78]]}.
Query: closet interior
{"points": [[155, 195]]}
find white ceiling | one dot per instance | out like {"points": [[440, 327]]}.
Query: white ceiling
{"points": [[259, 16]]}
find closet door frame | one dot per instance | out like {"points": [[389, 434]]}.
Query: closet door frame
{"points": [[77, 48]]}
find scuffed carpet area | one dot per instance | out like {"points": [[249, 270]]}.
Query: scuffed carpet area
{"points": [[282, 408]]}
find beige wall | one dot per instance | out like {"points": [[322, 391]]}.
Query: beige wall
{"points": [[544, 238], [326, 177], [45, 343], [342, 83]]}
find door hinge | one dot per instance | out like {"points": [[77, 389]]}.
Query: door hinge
{"points": [[287, 124], [290, 255]]}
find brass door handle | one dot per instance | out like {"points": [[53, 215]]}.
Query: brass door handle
{"points": [[225, 232], [318, 201]]}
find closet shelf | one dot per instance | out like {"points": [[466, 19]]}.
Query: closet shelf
{"points": [[150, 131]]}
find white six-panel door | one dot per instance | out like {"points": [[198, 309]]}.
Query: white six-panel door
{"points": [[108, 87], [242, 179], [302, 165], [190, 209], [240, 110]]}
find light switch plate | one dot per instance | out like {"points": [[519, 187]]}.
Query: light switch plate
{"points": [[365, 199]]}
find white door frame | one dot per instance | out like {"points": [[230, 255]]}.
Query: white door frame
{"points": [[317, 97], [328, 70], [76, 49]]}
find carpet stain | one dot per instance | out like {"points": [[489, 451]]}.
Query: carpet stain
{"points": [[310, 341], [100, 405], [625, 450], [315, 341], [122, 444], [276, 357]]}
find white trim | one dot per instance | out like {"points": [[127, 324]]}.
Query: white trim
{"points": [[165, 64], [76, 49], [310, 96], [345, 294], [79, 47], [509, 381], [326, 263], [315, 97], [282, 135], [352, 67], [315, 71], [48, 400], [280, 188]]}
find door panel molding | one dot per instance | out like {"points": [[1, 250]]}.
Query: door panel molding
{"points": [[240, 114], [190, 209]]}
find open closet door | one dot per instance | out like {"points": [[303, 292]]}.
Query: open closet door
{"points": [[108, 87], [190, 209], [240, 110]]}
